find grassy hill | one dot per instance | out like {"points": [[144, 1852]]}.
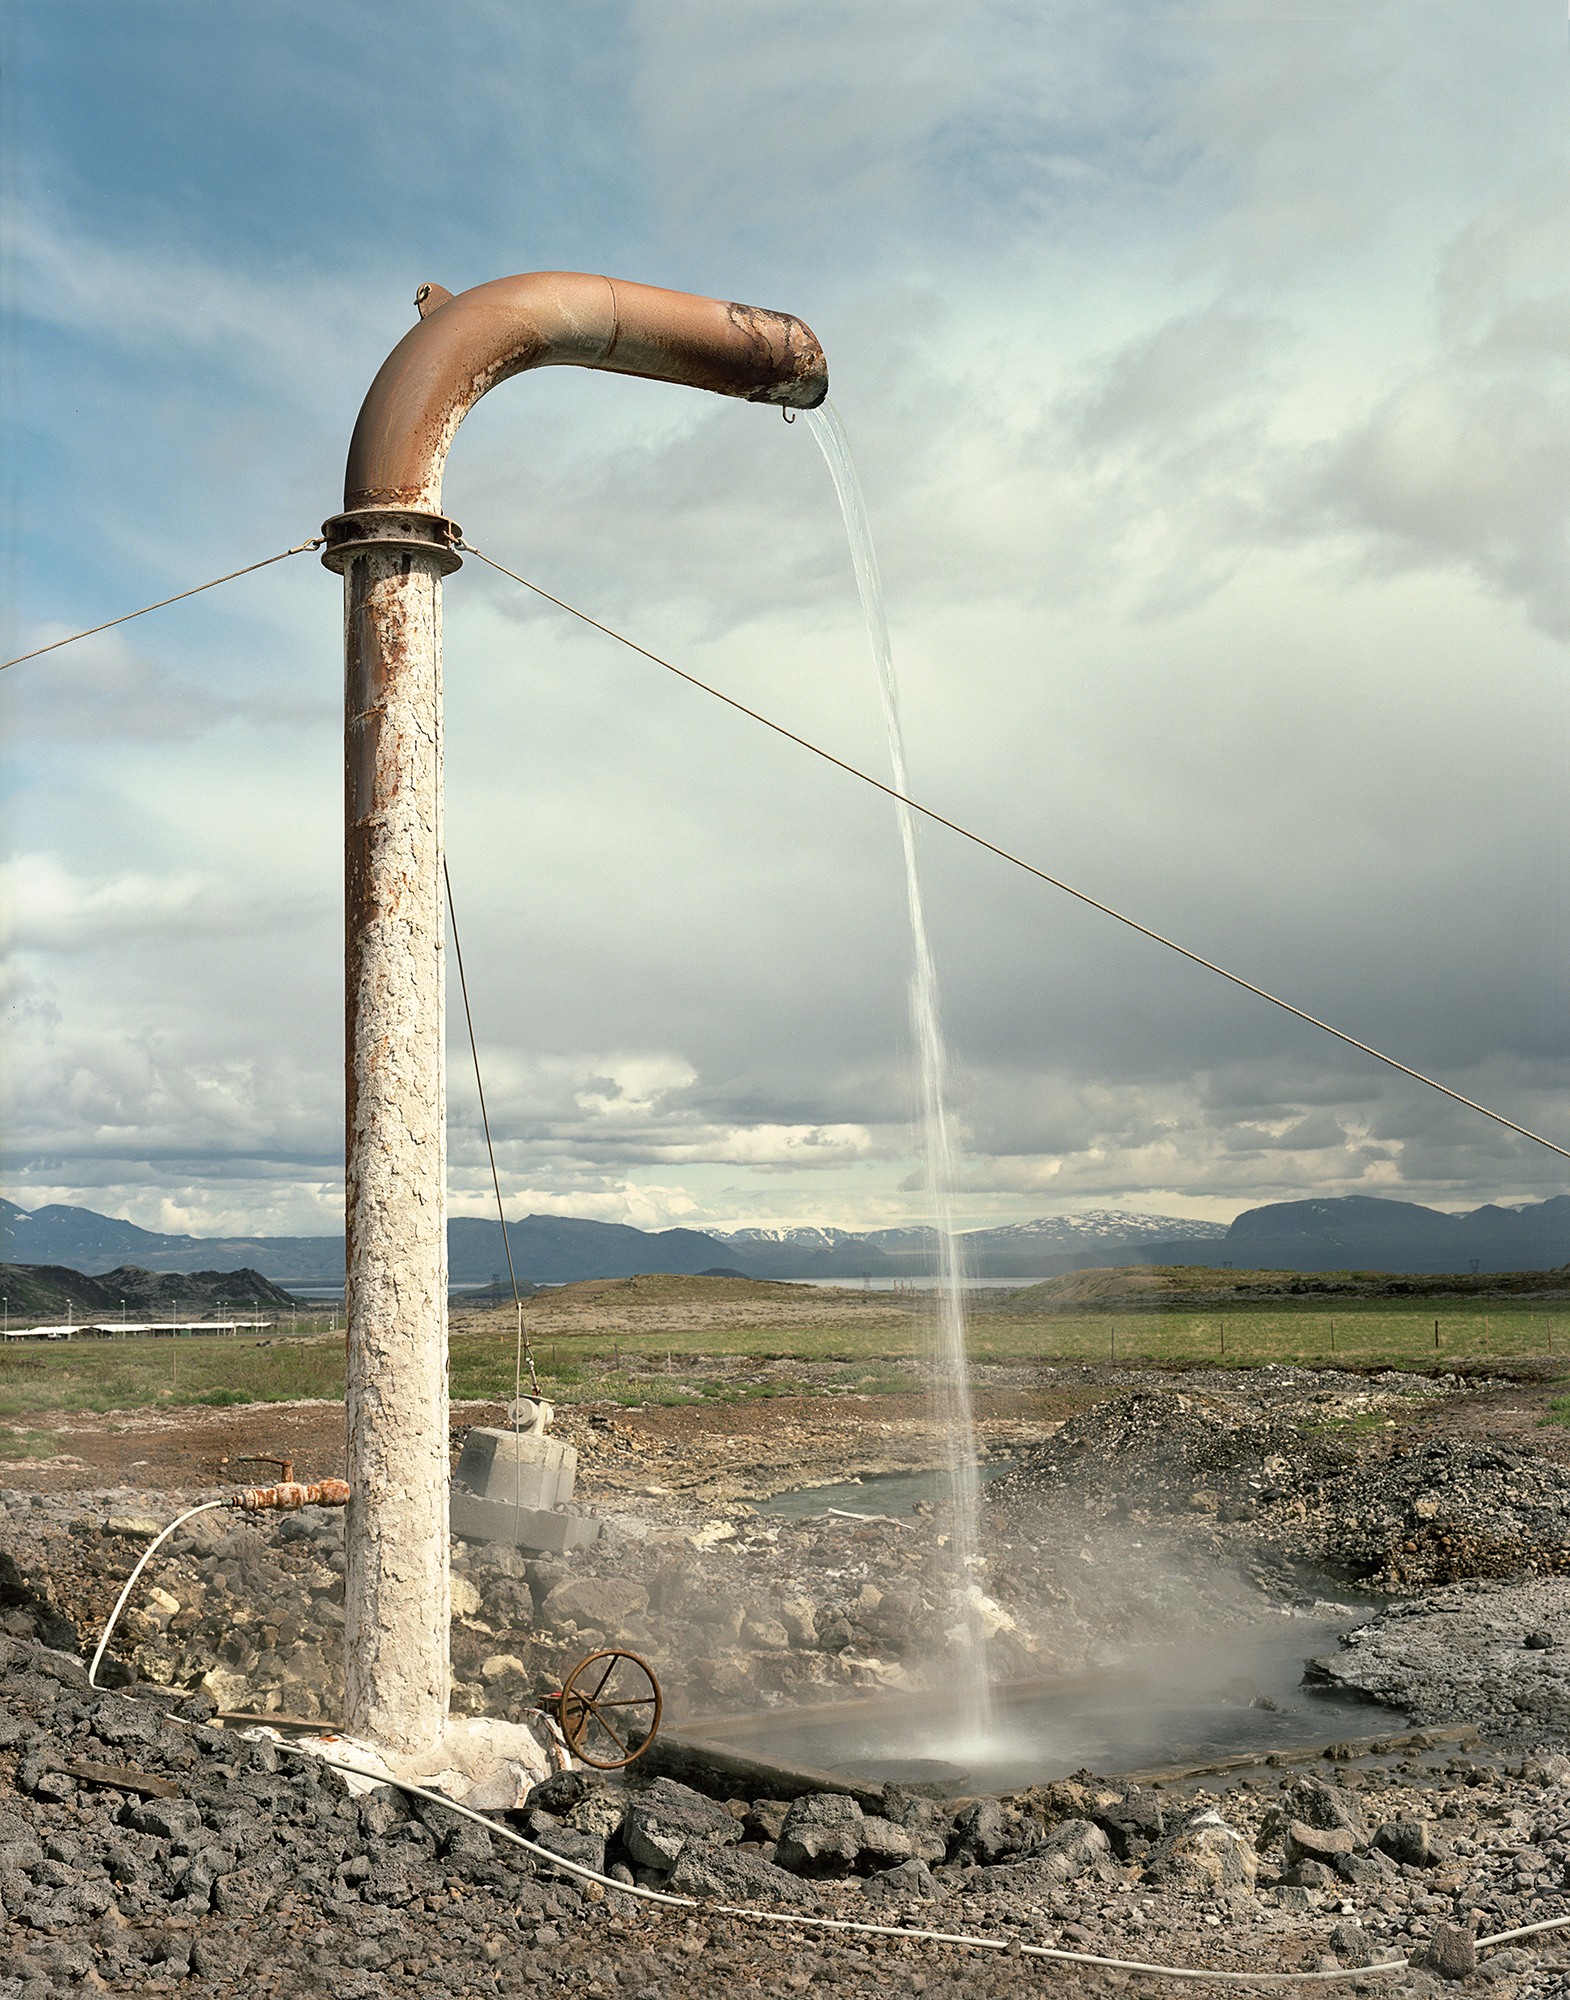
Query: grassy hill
{"points": [[664, 1288]]}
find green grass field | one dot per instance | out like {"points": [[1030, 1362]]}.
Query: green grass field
{"points": [[1410, 1335], [142, 1374], [666, 1365]]}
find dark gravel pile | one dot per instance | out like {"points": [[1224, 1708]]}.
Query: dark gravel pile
{"points": [[144, 1850], [1154, 1449], [1448, 1509], [1278, 1498]]}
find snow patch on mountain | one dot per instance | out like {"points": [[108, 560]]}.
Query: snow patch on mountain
{"points": [[1120, 1225], [809, 1239], [1068, 1232]]}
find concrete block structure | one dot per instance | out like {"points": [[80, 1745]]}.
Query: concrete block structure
{"points": [[477, 1520], [524, 1469], [508, 1485]]}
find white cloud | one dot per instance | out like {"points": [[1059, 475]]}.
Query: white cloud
{"points": [[46, 907], [108, 693], [1200, 365], [166, 301], [1460, 460], [624, 1087]]}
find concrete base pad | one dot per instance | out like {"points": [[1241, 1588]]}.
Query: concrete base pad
{"points": [[482, 1763], [486, 1764]]}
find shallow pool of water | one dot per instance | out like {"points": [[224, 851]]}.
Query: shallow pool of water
{"points": [[881, 1493], [1155, 1708]]}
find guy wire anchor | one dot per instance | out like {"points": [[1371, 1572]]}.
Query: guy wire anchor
{"points": [[288, 1494]]}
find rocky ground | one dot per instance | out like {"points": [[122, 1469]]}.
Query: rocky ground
{"points": [[177, 1855], [143, 1850]]}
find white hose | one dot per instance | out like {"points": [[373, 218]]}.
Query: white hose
{"points": [[849, 1924], [130, 1583], [1525, 1930]]}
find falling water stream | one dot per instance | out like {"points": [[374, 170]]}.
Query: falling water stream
{"points": [[950, 1369]]}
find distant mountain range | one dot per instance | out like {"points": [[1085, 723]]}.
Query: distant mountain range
{"points": [[1352, 1232], [1358, 1233], [1021, 1250]]}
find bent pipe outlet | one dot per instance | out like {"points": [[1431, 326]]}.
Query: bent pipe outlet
{"points": [[464, 345]]}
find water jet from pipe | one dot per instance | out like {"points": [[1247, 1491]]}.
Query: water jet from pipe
{"points": [[949, 1365]]}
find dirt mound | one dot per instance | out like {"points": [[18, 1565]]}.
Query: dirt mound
{"points": [[1445, 1510], [1120, 1282], [1156, 1448], [1185, 1287], [1396, 1516], [654, 1288], [1201, 1287]]}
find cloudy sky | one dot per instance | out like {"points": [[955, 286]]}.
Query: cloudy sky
{"points": [[1204, 365]]}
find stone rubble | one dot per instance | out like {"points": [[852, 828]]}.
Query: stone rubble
{"points": [[1497, 1653], [1149, 1516], [739, 1612], [216, 1866], [1267, 1490]]}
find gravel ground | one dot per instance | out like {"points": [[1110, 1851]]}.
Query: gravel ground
{"points": [[1494, 1652], [210, 1865], [1312, 1469], [143, 1850]]}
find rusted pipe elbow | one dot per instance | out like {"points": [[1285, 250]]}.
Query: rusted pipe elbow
{"points": [[464, 345]]}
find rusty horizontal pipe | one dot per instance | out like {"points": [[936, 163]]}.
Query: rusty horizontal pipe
{"points": [[289, 1494], [464, 345]]}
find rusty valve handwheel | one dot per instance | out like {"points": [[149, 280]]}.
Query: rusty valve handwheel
{"points": [[610, 1709]]}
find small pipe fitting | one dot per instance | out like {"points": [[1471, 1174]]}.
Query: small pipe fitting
{"points": [[394, 531], [285, 1465]]}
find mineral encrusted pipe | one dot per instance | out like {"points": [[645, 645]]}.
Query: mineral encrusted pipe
{"points": [[464, 346], [289, 1494], [396, 1584], [393, 546]]}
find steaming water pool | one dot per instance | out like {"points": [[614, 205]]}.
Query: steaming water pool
{"points": [[879, 1493], [1159, 1707]]}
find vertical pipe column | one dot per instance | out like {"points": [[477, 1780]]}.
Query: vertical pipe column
{"points": [[393, 549], [396, 1585]]}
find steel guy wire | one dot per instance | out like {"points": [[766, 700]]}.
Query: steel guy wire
{"points": [[877, 784], [1018, 861], [196, 590], [525, 1348]]}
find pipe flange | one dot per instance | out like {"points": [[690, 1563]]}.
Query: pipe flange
{"points": [[389, 530]]}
